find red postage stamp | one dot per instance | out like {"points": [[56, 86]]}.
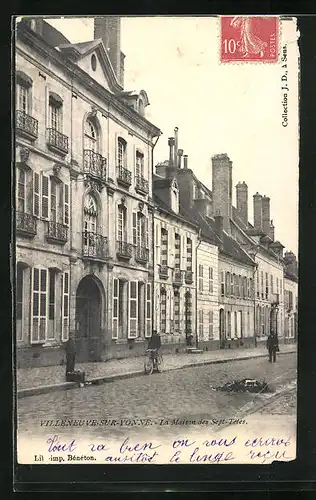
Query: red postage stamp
{"points": [[246, 38]]}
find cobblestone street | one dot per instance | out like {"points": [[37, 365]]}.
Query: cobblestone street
{"points": [[185, 394]]}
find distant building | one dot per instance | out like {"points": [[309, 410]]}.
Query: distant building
{"points": [[84, 209]]}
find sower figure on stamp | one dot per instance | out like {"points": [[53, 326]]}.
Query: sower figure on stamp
{"points": [[272, 346], [70, 354]]}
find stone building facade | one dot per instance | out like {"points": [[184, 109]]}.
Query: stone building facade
{"points": [[84, 206]]}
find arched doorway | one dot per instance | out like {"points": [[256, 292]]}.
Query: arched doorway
{"points": [[88, 320], [222, 328]]}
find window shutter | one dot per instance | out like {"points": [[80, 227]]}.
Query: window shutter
{"points": [[36, 194], [116, 151], [148, 310], [45, 196], [66, 204], [146, 233], [134, 162], [132, 310], [65, 307], [115, 315], [39, 305], [134, 228]]}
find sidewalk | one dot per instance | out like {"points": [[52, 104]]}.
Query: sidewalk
{"points": [[45, 379]]}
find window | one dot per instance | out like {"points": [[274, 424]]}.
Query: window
{"points": [[93, 62], [235, 287], [22, 98], [115, 313], [121, 152], [189, 255], [139, 166], [50, 199], [148, 327], [210, 325], [227, 278], [201, 324], [240, 286], [222, 284], [277, 285], [228, 325], [140, 230], [236, 325], [176, 309], [200, 278], [164, 247], [210, 280], [271, 283], [55, 115], [65, 306], [90, 136], [163, 310], [258, 285], [90, 223], [21, 201], [262, 285], [121, 223], [233, 284], [177, 250], [51, 303], [133, 307], [245, 288], [267, 286], [39, 305]]}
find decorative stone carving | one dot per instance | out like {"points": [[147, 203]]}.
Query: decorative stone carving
{"points": [[24, 154], [141, 206], [93, 184], [94, 112], [56, 169]]}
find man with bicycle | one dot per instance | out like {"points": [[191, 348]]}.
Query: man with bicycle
{"points": [[154, 345]]}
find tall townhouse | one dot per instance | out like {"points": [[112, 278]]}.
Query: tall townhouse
{"points": [[290, 297], [84, 206], [175, 267]]}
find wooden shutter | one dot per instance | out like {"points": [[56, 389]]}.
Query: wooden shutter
{"points": [[135, 228], [65, 307], [133, 310], [39, 305], [36, 194], [45, 196], [146, 233], [66, 204], [115, 314], [148, 328]]}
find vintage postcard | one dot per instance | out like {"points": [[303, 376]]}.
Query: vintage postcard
{"points": [[156, 231]]}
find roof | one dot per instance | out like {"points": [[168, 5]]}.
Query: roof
{"points": [[162, 182], [165, 208], [290, 276]]}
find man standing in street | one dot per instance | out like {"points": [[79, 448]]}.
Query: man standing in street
{"points": [[272, 346], [154, 344], [70, 354]]}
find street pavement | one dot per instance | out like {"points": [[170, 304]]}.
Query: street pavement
{"points": [[48, 378], [185, 395]]}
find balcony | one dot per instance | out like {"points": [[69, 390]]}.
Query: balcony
{"points": [[124, 250], [163, 272], [188, 277], [57, 233], [141, 255], [57, 142], [124, 177], [26, 125], [94, 164], [94, 246], [142, 186], [26, 224], [177, 277]]}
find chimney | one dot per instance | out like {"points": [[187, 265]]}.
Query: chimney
{"points": [[219, 226], [109, 29], [180, 154], [291, 263], [271, 232], [176, 145], [171, 142], [242, 201], [222, 188], [257, 211], [266, 215], [185, 161]]}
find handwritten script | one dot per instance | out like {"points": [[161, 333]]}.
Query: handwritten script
{"points": [[179, 451]]}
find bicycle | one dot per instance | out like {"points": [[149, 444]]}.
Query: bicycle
{"points": [[153, 361]]}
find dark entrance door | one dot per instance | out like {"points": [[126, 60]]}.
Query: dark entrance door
{"points": [[88, 320], [222, 328]]}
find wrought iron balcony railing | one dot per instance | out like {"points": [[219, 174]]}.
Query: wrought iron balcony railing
{"points": [[94, 246], [141, 254], [94, 164], [26, 224], [177, 277], [26, 125], [124, 176], [56, 232], [163, 272], [188, 277], [57, 141], [124, 250], [142, 185]]}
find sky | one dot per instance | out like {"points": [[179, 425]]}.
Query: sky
{"points": [[218, 108]]}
